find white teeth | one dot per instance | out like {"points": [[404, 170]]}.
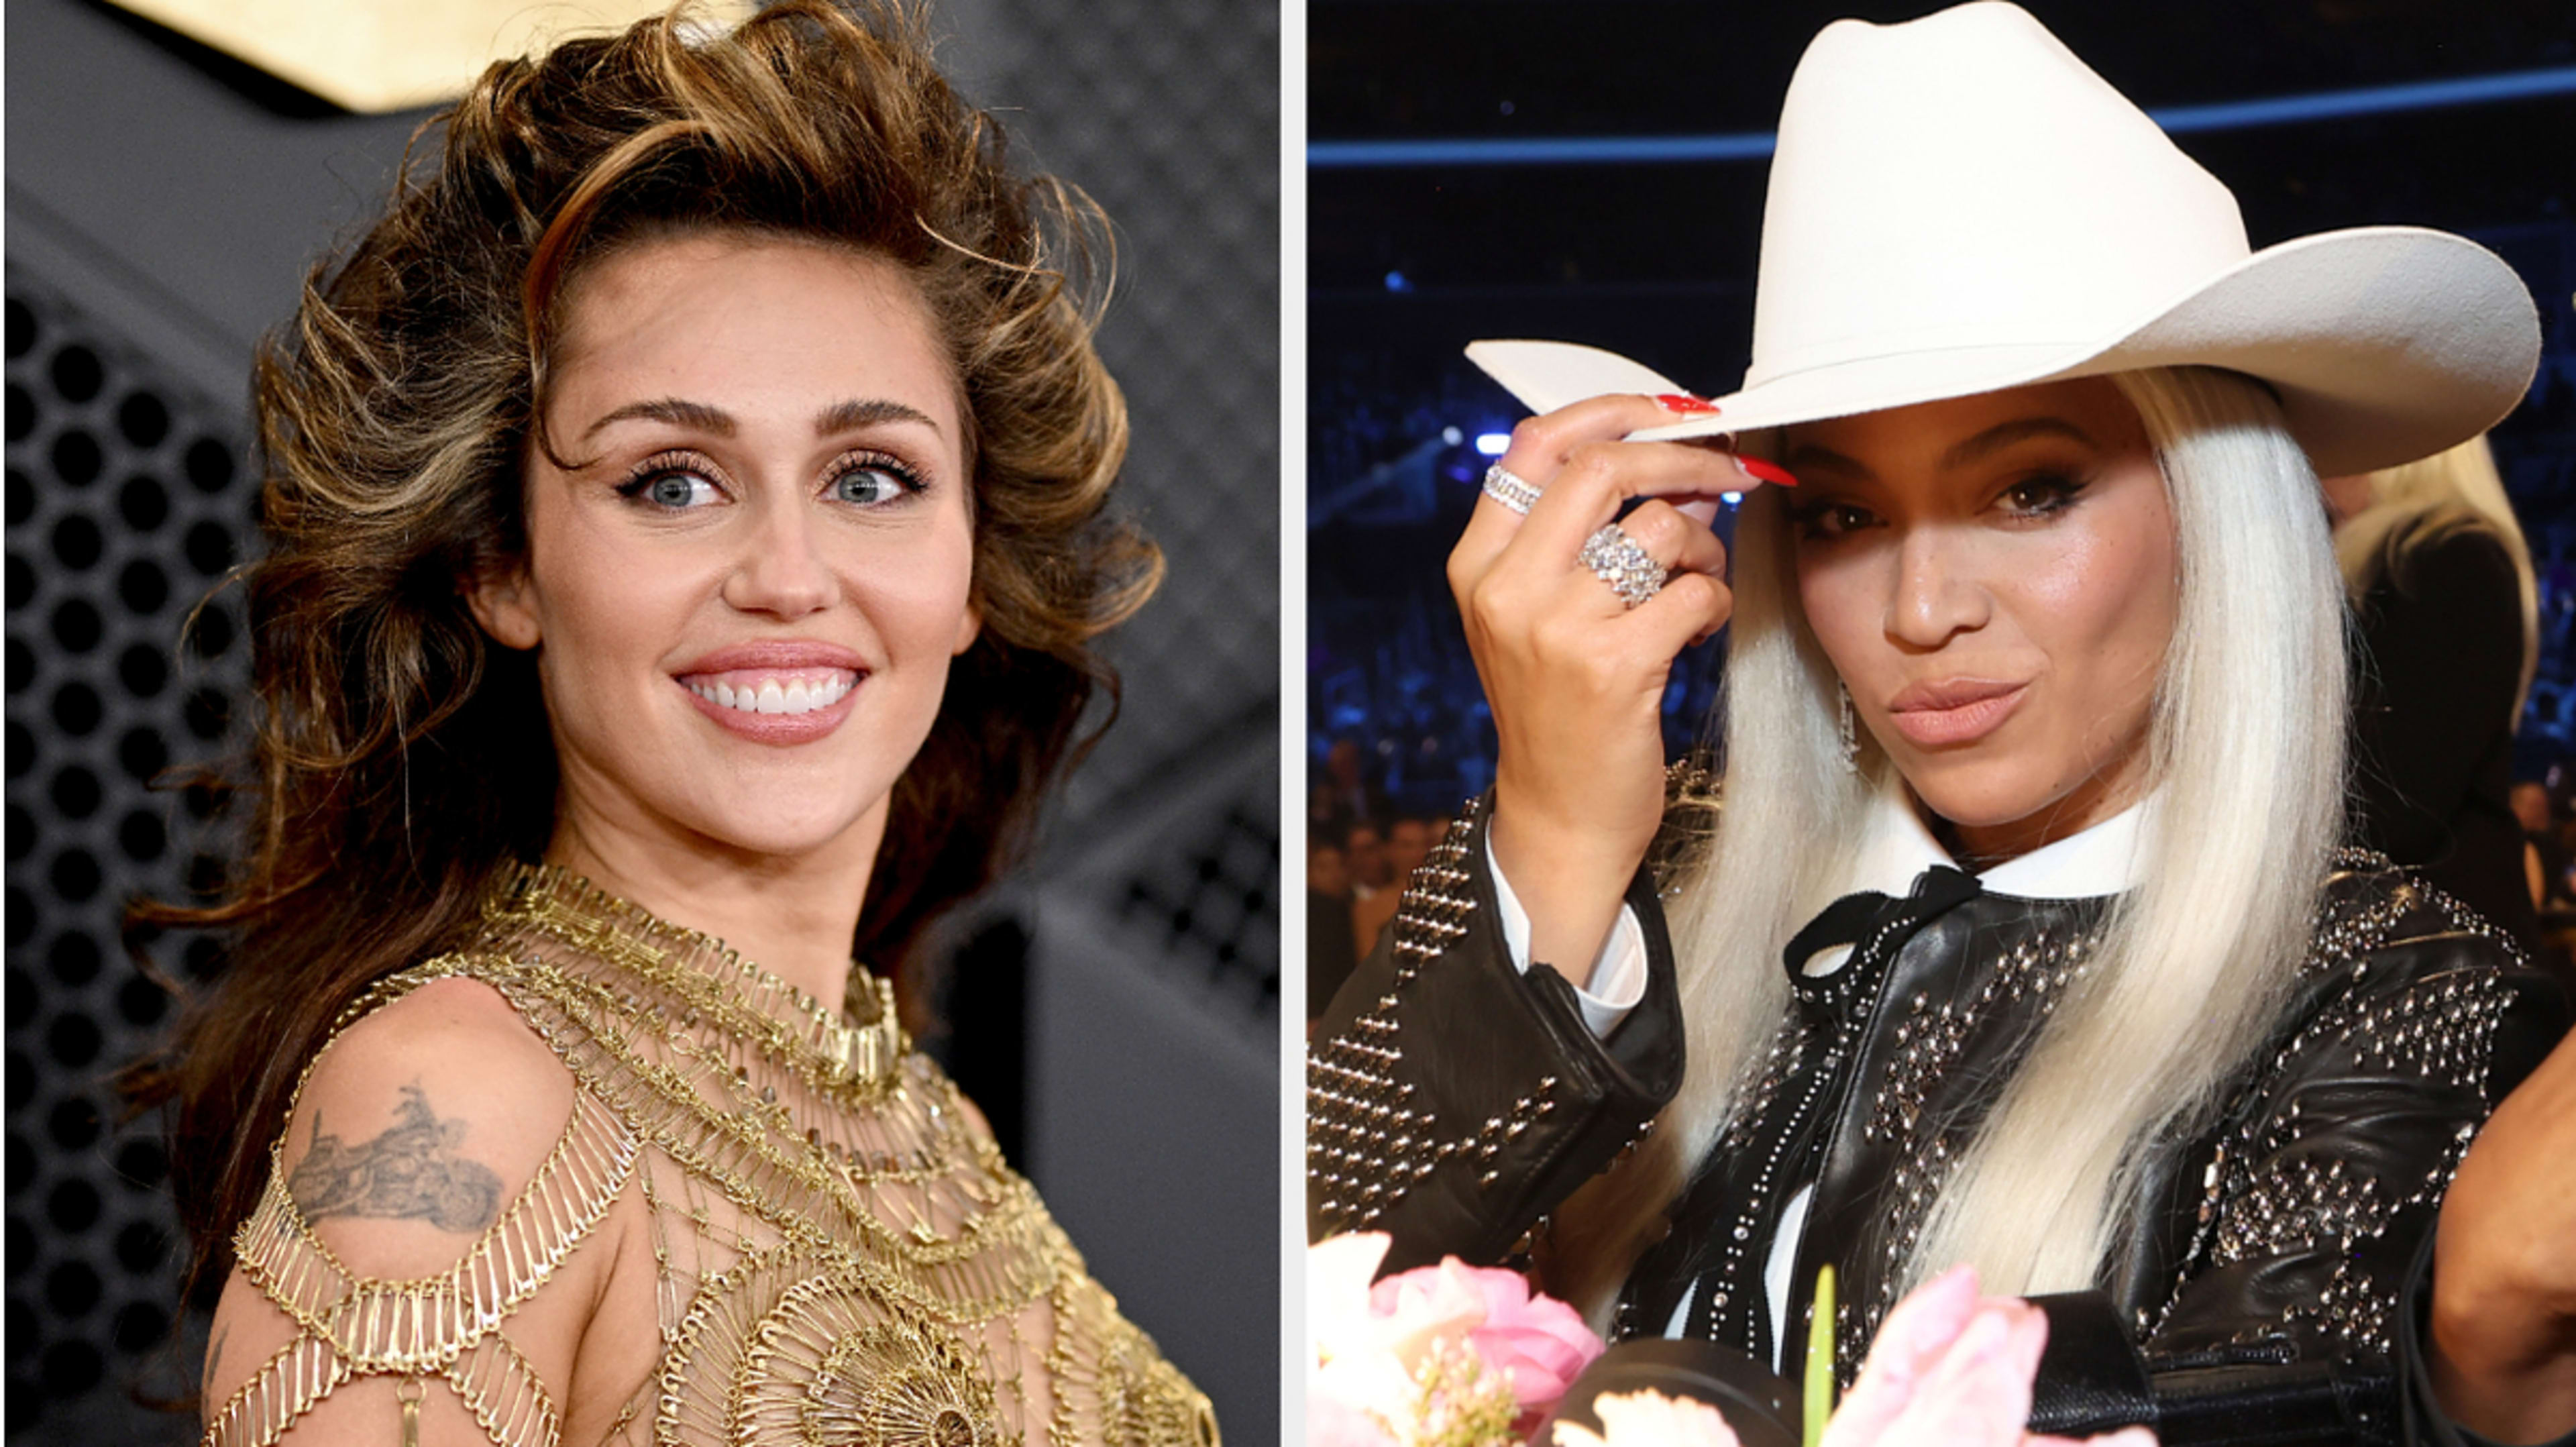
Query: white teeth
{"points": [[797, 695]]}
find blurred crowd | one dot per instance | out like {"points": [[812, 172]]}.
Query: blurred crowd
{"points": [[1360, 850]]}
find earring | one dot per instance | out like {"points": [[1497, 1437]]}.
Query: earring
{"points": [[1851, 737]]}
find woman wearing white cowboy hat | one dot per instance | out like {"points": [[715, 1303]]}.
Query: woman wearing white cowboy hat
{"points": [[2022, 937]]}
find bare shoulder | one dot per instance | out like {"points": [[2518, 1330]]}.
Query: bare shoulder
{"points": [[417, 1129], [420, 1124]]}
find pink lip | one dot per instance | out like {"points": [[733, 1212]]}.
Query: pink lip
{"points": [[1954, 710], [781, 730], [778, 653]]}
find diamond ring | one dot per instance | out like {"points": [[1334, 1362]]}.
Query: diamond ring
{"points": [[1506, 487], [1616, 559]]}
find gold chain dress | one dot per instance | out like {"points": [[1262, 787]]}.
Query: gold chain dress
{"points": [[842, 1258]]}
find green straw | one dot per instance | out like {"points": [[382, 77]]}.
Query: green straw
{"points": [[1820, 1359]]}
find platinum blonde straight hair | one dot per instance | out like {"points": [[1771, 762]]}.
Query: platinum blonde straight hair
{"points": [[2193, 967]]}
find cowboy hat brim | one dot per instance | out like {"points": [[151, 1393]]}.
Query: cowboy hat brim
{"points": [[2385, 344]]}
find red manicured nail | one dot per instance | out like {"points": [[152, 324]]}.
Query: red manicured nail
{"points": [[1683, 402], [1767, 471]]}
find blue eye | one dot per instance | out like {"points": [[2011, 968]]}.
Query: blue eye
{"points": [[679, 489], [671, 484], [873, 484]]}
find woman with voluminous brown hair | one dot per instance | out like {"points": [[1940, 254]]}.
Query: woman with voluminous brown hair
{"points": [[686, 534]]}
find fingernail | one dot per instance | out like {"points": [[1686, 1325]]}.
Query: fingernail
{"points": [[1683, 402], [1755, 467]]}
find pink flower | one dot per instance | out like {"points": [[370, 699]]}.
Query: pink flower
{"points": [[1537, 1342], [1430, 1302], [1359, 1364], [1385, 1359]]}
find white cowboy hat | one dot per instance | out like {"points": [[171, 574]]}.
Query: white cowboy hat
{"points": [[1959, 205]]}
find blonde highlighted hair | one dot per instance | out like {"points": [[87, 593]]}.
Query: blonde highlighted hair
{"points": [[2192, 968]]}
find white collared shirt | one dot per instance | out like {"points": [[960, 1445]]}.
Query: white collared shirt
{"points": [[1896, 848]]}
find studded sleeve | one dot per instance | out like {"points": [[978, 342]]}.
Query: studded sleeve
{"points": [[2334, 1167], [1451, 1100]]}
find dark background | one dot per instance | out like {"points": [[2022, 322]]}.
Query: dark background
{"points": [[1409, 263], [1115, 1009]]}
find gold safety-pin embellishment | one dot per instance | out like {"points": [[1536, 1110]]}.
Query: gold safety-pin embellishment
{"points": [[408, 1392]]}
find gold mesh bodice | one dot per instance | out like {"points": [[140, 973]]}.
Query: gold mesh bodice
{"points": [[842, 1257]]}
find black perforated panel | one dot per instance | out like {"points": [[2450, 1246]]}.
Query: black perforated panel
{"points": [[1168, 114], [1216, 902], [126, 504]]}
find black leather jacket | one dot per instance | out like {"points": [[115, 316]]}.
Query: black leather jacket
{"points": [[1453, 1102]]}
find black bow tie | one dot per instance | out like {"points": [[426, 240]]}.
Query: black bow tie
{"points": [[1872, 924]]}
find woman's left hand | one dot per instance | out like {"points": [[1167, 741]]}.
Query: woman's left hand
{"points": [[2503, 1339]]}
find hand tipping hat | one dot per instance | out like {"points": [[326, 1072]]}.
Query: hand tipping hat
{"points": [[1959, 205]]}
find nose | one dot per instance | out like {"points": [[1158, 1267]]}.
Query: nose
{"points": [[779, 568], [1937, 594]]}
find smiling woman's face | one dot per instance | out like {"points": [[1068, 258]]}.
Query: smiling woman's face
{"points": [[1994, 578], [745, 597]]}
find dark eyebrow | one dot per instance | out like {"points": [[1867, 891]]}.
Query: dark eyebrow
{"points": [[851, 416], [1808, 457], [695, 415], [698, 416], [2004, 434]]}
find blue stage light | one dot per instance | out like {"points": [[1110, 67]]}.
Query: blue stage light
{"points": [[1493, 444], [1754, 145]]}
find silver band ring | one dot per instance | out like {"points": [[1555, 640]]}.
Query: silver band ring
{"points": [[1506, 487], [1616, 559]]}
